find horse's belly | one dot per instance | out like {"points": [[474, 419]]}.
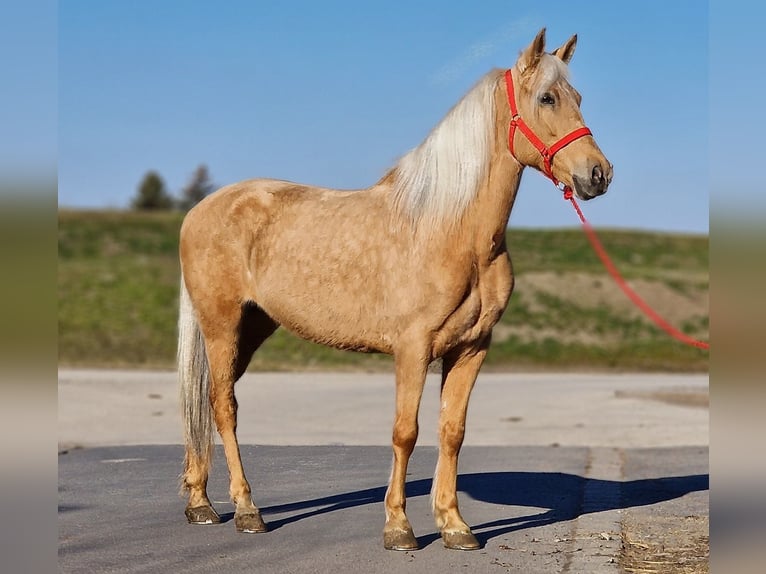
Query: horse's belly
{"points": [[337, 321]]}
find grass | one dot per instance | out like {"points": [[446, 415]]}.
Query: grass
{"points": [[118, 296]]}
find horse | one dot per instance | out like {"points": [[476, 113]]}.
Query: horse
{"points": [[415, 266]]}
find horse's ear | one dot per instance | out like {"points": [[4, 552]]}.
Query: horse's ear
{"points": [[531, 56], [567, 50]]}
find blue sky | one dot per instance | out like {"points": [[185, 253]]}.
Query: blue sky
{"points": [[332, 93]]}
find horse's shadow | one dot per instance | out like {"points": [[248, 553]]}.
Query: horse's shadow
{"points": [[566, 496]]}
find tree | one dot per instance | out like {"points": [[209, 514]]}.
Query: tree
{"points": [[152, 194], [197, 189]]}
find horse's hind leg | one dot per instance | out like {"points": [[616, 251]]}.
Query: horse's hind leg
{"points": [[458, 376], [237, 337], [199, 510], [194, 379]]}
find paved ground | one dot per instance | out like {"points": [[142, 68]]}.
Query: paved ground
{"points": [[554, 467]]}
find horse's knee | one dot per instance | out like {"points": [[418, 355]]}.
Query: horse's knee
{"points": [[451, 435], [405, 437]]}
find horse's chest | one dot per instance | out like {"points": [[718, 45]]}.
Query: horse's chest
{"points": [[494, 293], [481, 308]]}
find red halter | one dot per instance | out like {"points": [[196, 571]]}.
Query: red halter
{"points": [[545, 151]]}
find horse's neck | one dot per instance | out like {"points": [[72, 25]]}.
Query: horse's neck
{"points": [[487, 217]]}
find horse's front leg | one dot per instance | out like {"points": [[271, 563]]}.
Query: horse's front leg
{"points": [[459, 372], [411, 370]]}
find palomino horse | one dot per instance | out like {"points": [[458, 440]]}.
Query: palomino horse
{"points": [[415, 266]]}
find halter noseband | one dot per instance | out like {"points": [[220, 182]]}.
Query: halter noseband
{"points": [[545, 151]]}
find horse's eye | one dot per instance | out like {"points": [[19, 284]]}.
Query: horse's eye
{"points": [[547, 99]]}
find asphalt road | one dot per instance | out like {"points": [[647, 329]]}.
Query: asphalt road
{"points": [[552, 466]]}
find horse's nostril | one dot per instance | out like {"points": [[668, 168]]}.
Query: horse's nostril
{"points": [[597, 175]]}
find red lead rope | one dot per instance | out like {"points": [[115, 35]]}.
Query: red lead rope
{"points": [[632, 295]]}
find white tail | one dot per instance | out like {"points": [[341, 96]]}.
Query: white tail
{"points": [[194, 379]]}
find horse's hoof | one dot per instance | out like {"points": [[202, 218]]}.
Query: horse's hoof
{"points": [[202, 515], [250, 522], [399, 540], [460, 541]]}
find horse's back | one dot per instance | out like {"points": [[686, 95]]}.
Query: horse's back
{"points": [[258, 202]]}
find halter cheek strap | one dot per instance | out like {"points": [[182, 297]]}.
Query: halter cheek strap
{"points": [[546, 151]]}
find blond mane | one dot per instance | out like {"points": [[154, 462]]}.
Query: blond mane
{"points": [[435, 182]]}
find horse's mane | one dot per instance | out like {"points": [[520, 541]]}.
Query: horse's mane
{"points": [[435, 182]]}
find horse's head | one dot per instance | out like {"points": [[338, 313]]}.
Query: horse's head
{"points": [[547, 129]]}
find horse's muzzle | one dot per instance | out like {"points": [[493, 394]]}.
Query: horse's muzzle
{"points": [[595, 185]]}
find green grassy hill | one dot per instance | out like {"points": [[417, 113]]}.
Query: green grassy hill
{"points": [[118, 296]]}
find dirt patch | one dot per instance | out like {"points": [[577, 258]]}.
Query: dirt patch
{"points": [[677, 396], [590, 310], [666, 545], [593, 291]]}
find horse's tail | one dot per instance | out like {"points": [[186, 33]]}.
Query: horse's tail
{"points": [[194, 378]]}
